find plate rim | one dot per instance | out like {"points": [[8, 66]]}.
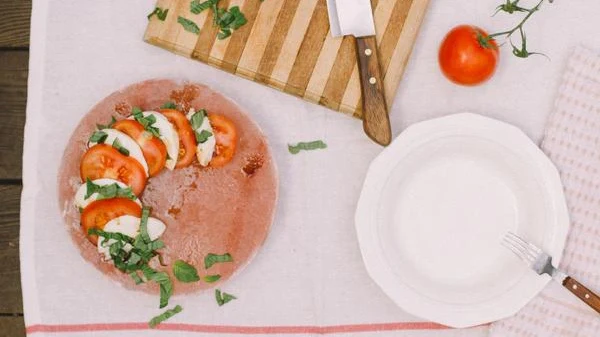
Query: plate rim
{"points": [[367, 209]]}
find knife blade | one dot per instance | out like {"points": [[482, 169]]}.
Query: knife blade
{"points": [[355, 17]]}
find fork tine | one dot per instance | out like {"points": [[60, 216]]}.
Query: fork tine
{"points": [[515, 250], [521, 246], [533, 247]]}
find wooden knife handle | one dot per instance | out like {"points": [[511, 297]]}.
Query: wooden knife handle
{"points": [[376, 121], [583, 293]]}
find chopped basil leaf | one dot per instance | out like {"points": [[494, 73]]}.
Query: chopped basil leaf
{"points": [[185, 272], [211, 278], [144, 225], [306, 146], [136, 112], [198, 118], [188, 25], [164, 316], [160, 13], [169, 105], [107, 126], [224, 33], [211, 259], [136, 278], [98, 137], [198, 6], [223, 298], [202, 136], [146, 122], [166, 290], [117, 145], [107, 191]]}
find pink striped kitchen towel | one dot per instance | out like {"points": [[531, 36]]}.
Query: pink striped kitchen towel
{"points": [[572, 141]]}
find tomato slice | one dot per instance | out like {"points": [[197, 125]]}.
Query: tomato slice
{"points": [[154, 150], [187, 139], [104, 161], [226, 138], [100, 212]]}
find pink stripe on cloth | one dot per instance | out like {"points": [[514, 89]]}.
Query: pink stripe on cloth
{"points": [[242, 330], [572, 141]]}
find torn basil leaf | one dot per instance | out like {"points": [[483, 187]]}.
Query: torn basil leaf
{"points": [[117, 145], [210, 259], [307, 146], [98, 137], [164, 316], [160, 13], [211, 278], [223, 298], [188, 25], [185, 272]]}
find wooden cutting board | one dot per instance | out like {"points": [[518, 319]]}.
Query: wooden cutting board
{"points": [[286, 44]]}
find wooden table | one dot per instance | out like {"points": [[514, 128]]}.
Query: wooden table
{"points": [[14, 57]]}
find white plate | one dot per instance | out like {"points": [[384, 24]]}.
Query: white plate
{"points": [[434, 207]]}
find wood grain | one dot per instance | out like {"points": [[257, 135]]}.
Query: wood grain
{"points": [[10, 284], [12, 326], [376, 121], [584, 294], [286, 44], [13, 95], [14, 26]]}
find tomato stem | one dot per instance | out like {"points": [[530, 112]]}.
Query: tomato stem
{"points": [[511, 7]]}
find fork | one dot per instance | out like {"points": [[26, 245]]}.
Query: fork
{"points": [[541, 263]]}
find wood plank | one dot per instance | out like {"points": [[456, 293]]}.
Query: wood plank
{"points": [[14, 26], [13, 95], [12, 326], [10, 283]]}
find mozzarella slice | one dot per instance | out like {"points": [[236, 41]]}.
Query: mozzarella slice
{"points": [[135, 151], [129, 225], [80, 200], [168, 135], [204, 151]]}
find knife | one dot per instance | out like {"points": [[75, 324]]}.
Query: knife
{"points": [[355, 17]]}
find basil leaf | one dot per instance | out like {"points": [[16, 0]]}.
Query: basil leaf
{"points": [[197, 119], [144, 225], [197, 7], [211, 259], [239, 18], [188, 25], [146, 122], [185, 272], [223, 298], [202, 136], [160, 13], [211, 278], [117, 145], [164, 316], [136, 278], [137, 112], [169, 105], [224, 33], [111, 235], [107, 126], [166, 290], [90, 188], [98, 137], [306, 146]]}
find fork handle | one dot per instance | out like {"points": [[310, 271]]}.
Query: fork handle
{"points": [[583, 293]]}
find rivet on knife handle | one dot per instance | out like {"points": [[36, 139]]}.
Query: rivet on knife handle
{"points": [[376, 121], [583, 293]]}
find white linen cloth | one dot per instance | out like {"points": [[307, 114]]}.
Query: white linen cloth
{"points": [[571, 140], [308, 277]]}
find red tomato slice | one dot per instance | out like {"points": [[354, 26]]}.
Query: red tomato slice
{"points": [[154, 150], [187, 138], [226, 138], [100, 212], [104, 161]]}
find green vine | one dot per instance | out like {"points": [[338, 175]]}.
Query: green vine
{"points": [[512, 7]]}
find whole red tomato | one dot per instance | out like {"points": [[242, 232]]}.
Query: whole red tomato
{"points": [[467, 56]]}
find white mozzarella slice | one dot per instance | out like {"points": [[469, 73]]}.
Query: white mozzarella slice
{"points": [[168, 135], [135, 151], [80, 200], [205, 150]]}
